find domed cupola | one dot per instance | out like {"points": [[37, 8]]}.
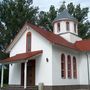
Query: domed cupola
{"points": [[66, 25]]}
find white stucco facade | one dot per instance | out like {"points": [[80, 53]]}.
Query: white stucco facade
{"points": [[48, 64], [57, 79], [42, 66], [49, 72], [15, 74], [71, 35], [63, 27]]}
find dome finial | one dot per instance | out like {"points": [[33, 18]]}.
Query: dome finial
{"points": [[64, 6], [64, 2]]}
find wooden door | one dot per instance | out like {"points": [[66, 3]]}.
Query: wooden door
{"points": [[30, 73]]}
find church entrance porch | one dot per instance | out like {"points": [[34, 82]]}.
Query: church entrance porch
{"points": [[21, 69], [30, 73]]}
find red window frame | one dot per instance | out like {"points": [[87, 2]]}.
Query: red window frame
{"points": [[63, 68], [69, 68], [28, 42], [74, 68]]}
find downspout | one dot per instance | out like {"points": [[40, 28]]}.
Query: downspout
{"points": [[88, 70]]}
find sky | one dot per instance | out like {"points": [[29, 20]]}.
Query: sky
{"points": [[45, 4]]}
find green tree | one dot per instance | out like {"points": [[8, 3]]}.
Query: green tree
{"points": [[45, 19], [51, 15], [81, 14], [71, 8], [14, 13]]}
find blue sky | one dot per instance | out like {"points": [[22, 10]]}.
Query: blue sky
{"points": [[45, 4]]}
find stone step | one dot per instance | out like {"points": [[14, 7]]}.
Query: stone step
{"points": [[20, 88]]}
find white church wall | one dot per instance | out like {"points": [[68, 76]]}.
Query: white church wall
{"points": [[43, 68], [88, 58], [20, 46], [83, 69], [74, 38], [38, 42], [56, 67], [15, 69], [69, 35], [63, 27], [15, 74]]}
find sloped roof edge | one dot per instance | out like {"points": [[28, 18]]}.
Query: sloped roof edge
{"points": [[56, 39]]}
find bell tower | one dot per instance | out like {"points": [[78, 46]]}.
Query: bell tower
{"points": [[66, 26]]}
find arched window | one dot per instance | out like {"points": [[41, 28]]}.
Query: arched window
{"points": [[63, 70], [74, 68], [69, 69], [58, 27], [67, 26], [28, 42]]}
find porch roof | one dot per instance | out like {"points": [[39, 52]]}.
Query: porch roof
{"points": [[21, 57]]}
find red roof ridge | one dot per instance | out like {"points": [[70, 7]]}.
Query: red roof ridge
{"points": [[56, 39], [53, 38], [84, 40], [44, 30]]}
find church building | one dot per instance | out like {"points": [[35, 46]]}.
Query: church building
{"points": [[58, 60]]}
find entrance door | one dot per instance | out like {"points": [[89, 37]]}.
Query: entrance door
{"points": [[30, 73]]}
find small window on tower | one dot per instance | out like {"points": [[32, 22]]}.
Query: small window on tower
{"points": [[58, 27], [67, 26], [75, 27]]}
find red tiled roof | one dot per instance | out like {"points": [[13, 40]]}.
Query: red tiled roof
{"points": [[22, 56], [56, 39], [83, 45]]}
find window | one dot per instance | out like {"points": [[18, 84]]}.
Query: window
{"points": [[75, 27], [74, 68], [63, 70], [28, 42], [58, 27], [67, 26], [69, 70]]}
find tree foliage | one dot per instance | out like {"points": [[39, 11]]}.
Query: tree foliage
{"points": [[45, 19], [14, 13], [81, 14]]}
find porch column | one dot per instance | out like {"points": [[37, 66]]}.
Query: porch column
{"points": [[25, 75], [2, 74]]}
